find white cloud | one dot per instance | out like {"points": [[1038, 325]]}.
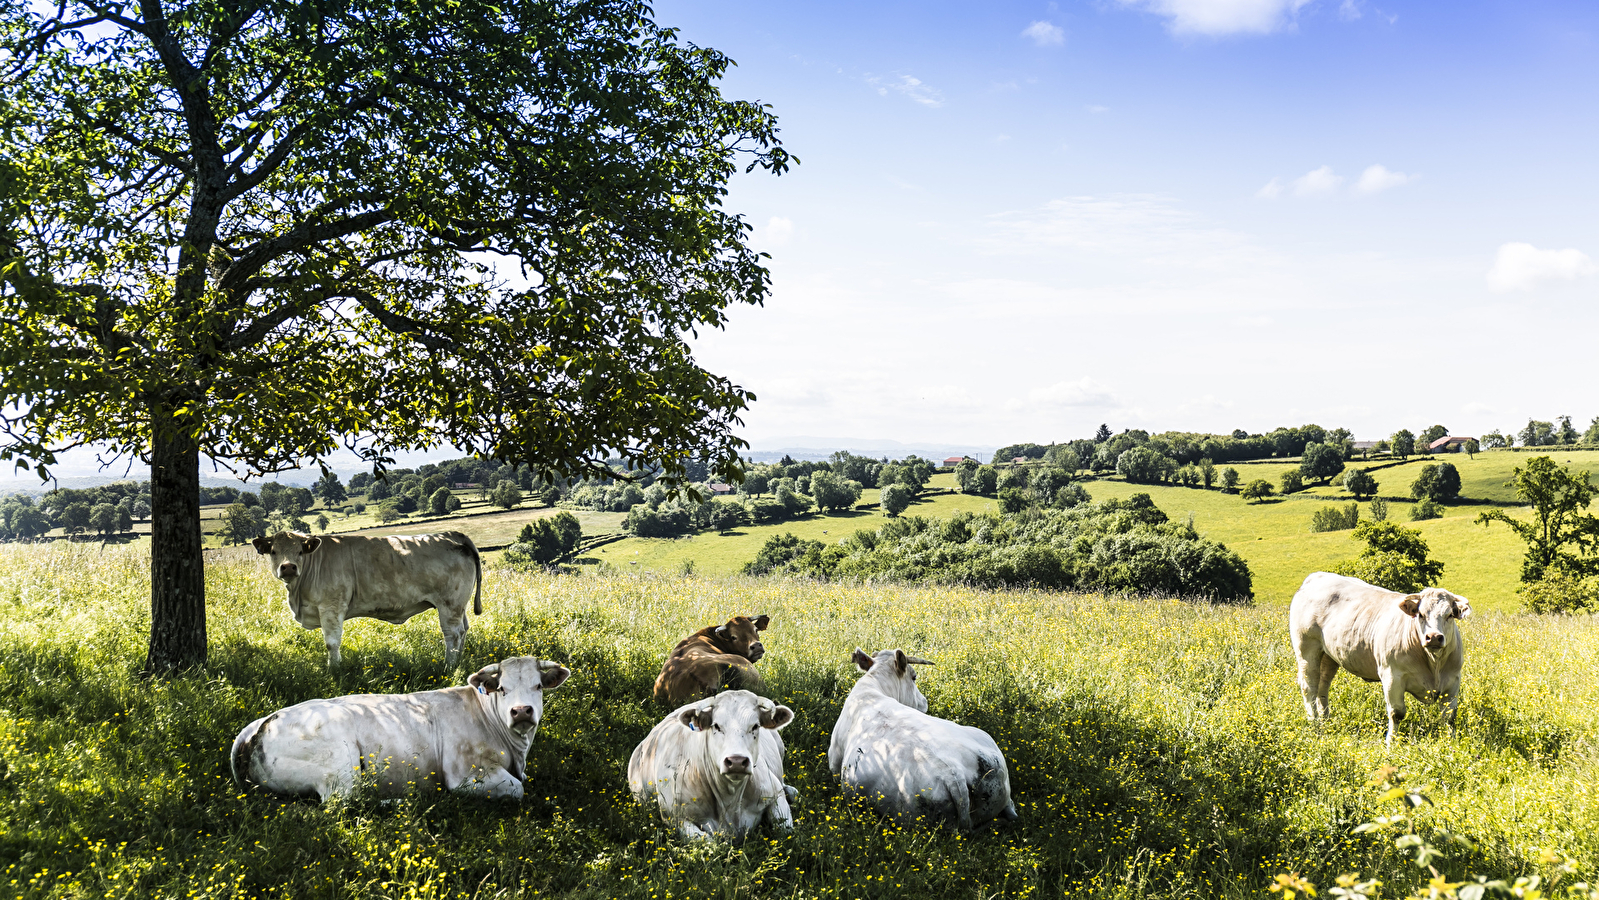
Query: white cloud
{"points": [[1379, 178], [1220, 17], [1084, 391], [1044, 34], [1522, 267], [1096, 109], [1271, 190], [778, 231], [1349, 10], [1317, 183], [911, 87]]}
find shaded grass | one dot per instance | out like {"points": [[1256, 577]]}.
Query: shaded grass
{"points": [[1156, 748]]}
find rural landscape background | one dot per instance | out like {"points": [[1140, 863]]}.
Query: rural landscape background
{"points": [[583, 280]]}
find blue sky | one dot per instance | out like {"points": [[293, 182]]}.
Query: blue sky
{"points": [[1014, 221]]}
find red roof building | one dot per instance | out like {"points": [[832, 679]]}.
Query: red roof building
{"points": [[1449, 444], [954, 461]]}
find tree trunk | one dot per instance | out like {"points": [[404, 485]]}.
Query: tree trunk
{"points": [[177, 572]]}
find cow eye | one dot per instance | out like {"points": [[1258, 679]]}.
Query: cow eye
{"points": [[715, 727]]}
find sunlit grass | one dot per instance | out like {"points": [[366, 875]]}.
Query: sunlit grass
{"points": [[1157, 748]]}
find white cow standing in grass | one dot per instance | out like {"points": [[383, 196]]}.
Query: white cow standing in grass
{"points": [[909, 764], [715, 766], [1408, 642], [471, 739], [331, 579]]}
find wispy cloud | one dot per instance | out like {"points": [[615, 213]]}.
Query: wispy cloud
{"points": [[1522, 267], [1096, 109], [909, 86], [1349, 10], [1317, 182], [1044, 34], [1084, 391], [1379, 178], [1222, 17], [778, 231]]}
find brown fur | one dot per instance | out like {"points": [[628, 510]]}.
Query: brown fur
{"points": [[716, 654]]}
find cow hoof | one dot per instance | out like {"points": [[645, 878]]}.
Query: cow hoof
{"points": [[791, 791]]}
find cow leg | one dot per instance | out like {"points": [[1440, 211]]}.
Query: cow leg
{"points": [[1310, 679], [495, 785], [453, 624], [333, 636], [1393, 689], [777, 813], [1452, 699], [1329, 669]]}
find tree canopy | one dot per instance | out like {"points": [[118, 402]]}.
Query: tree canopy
{"points": [[1560, 537], [251, 233]]}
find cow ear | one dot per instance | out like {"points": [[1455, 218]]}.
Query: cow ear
{"points": [[486, 680], [696, 718], [1410, 604], [761, 622], [262, 545], [777, 717], [554, 676], [1462, 606], [721, 631], [861, 660], [311, 545], [900, 662]]}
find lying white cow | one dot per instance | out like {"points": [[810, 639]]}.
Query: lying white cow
{"points": [[470, 739], [715, 766], [334, 578], [1408, 642], [909, 764]]}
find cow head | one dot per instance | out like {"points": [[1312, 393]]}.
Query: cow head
{"points": [[741, 636], [732, 723], [515, 689], [1435, 609], [895, 675], [289, 550]]}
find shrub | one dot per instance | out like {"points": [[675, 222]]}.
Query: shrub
{"points": [[543, 541], [1335, 517], [1011, 500], [1229, 479], [439, 502], [1426, 509], [1395, 557], [1360, 483], [1142, 465], [1292, 482], [779, 551], [1379, 509], [666, 521], [1560, 592], [724, 516]]}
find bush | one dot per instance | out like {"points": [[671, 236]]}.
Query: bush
{"points": [[986, 481], [1395, 557], [1013, 500], [783, 552], [1559, 592], [1379, 509], [544, 541], [1229, 479], [1360, 483], [439, 502], [1436, 482], [1141, 465], [664, 522], [724, 516], [1426, 509], [1292, 482], [1335, 517]]}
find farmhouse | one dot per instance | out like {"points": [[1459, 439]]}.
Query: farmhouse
{"points": [[953, 461], [1450, 444], [719, 489]]}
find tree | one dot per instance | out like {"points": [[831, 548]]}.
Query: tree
{"points": [[1432, 434], [1560, 537], [1360, 483], [755, 482], [507, 495], [1141, 465], [1259, 489], [1207, 472], [1493, 440], [238, 524], [124, 517], [895, 498], [329, 489], [1591, 436], [1394, 557], [726, 516], [832, 492], [103, 519], [1426, 509], [1335, 517], [1321, 461], [389, 511], [75, 517], [1439, 482], [966, 475], [321, 521], [1102, 434], [1537, 434], [1292, 482], [1471, 447], [1404, 443], [987, 480], [1229, 479], [1568, 432], [1011, 500], [277, 216], [439, 502]]}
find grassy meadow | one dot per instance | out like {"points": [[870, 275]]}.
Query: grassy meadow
{"points": [[1157, 749]]}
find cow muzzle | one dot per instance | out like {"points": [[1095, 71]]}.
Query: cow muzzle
{"points": [[757, 650], [1433, 639], [522, 716], [736, 765], [288, 571]]}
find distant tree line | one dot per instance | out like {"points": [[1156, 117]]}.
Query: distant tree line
{"points": [[105, 511], [1120, 546]]}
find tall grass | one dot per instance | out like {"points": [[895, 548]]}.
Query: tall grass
{"points": [[1157, 749]]}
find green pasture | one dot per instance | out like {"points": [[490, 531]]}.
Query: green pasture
{"points": [[1156, 748]]}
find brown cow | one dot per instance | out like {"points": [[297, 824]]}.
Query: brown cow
{"points": [[701, 662]]}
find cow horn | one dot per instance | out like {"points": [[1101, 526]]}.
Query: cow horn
{"points": [[918, 661], [546, 665]]}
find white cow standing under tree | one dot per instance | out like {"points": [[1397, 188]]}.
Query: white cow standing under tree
{"points": [[909, 764], [1408, 642], [334, 578]]}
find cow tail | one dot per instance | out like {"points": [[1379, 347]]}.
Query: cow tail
{"points": [[244, 751]]}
